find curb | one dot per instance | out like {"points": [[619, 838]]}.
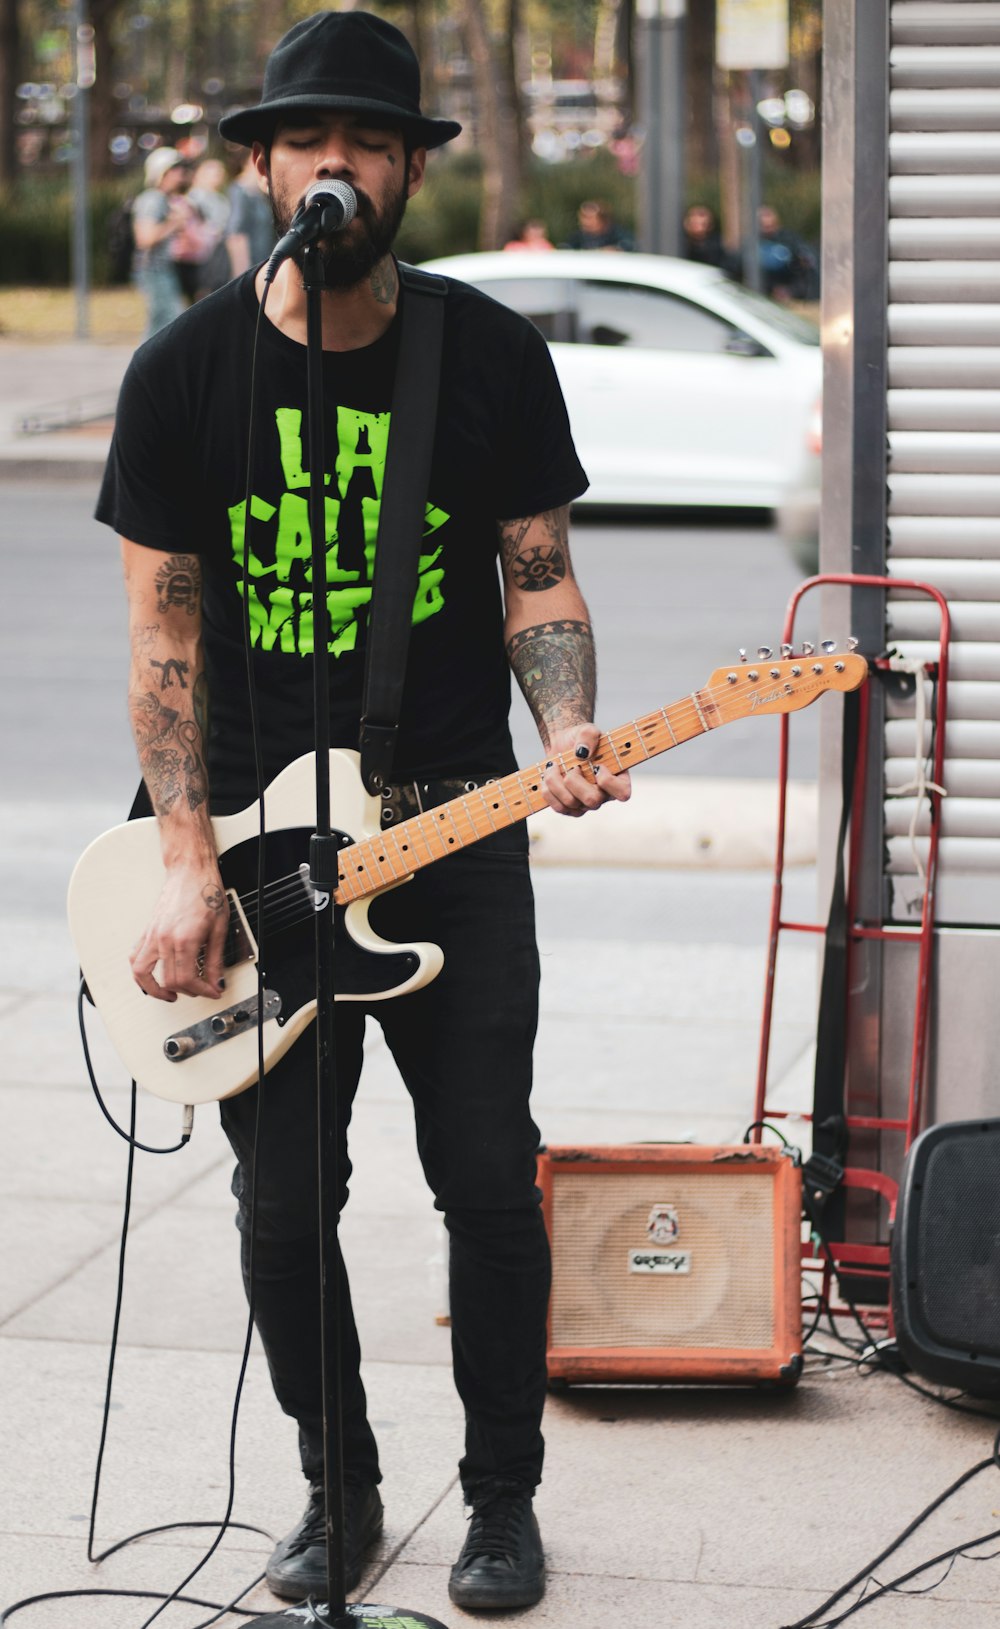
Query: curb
{"points": [[674, 823]]}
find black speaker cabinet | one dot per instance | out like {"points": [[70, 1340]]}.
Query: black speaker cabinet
{"points": [[945, 1273]]}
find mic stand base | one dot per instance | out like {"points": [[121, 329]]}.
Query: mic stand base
{"points": [[356, 1615]]}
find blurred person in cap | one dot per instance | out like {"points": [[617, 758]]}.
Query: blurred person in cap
{"points": [[159, 214], [341, 101]]}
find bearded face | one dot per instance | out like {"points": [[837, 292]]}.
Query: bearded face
{"points": [[349, 257]]}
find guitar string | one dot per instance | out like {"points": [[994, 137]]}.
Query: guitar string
{"points": [[277, 915], [616, 737]]}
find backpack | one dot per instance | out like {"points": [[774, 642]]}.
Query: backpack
{"points": [[120, 243]]}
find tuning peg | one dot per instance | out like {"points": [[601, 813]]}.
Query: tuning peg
{"points": [[764, 652], [828, 646], [786, 651], [852, 643], [743, 654], [807, 648]]}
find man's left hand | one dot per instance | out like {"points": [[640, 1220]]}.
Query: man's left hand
{"points": [[583, 785]]}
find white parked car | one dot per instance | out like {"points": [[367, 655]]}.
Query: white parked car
{"points": [[683, 388]]}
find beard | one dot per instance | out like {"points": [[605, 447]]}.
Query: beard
{"points": [[350, 257]]}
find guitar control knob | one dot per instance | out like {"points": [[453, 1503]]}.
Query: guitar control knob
{"points": [[178, 1046], [223, 1024]]}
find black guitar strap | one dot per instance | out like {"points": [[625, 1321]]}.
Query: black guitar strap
{"points": [[401, 519], [825, 1167]]}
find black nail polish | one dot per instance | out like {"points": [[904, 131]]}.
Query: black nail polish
{"points": [[582, 751]]}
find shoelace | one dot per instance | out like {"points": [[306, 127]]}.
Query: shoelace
{"points": [[496, 1522], [314, 1521], [313, 1529]]}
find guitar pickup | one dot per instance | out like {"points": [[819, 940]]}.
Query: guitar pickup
{"points": [[222, 1026], [240, 944]]}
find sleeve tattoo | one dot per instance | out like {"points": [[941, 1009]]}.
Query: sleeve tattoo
{"points": [[539, 565], [555, 666], [170, 744]]}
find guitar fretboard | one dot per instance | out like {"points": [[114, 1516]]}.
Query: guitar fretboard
{"points": [[369, 865]]}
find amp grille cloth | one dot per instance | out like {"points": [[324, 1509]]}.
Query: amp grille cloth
{"points": [[726, 1222]]}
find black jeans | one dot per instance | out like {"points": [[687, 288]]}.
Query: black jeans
{"points": [[463, 1046]]}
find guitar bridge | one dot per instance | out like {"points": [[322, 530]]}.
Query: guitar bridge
{"points": [[222, 1026]]}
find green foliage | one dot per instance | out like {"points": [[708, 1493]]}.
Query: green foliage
{"points": [[443, 219], [795, 194], [36, 223]]}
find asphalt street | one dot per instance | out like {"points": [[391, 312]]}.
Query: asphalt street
{"points": [[669, 603]]}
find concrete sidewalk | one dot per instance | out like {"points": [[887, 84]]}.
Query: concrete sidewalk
{"points": [[691, 1508]]}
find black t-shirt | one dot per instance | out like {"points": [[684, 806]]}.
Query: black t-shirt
{"points": [[176, 481]]}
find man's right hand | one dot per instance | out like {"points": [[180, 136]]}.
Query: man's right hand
{"points": [[181, 951]]}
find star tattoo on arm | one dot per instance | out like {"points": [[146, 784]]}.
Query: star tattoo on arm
{"points": [[555, 666]]}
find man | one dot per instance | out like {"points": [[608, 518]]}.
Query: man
{"points": [[250, 231], [341, 101], [159, 214], [596, 228]]}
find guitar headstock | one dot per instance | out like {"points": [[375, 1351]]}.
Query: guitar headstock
{"points": [[764, 685]]}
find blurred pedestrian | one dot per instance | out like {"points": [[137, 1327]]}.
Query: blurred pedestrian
{"points": [[209, 198], [533, 235], [159, 214], [251, 234], [702, 241], [789, 265], [597, 229]]}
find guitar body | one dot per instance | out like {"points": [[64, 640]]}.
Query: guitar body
{"points": [[112, 896]]}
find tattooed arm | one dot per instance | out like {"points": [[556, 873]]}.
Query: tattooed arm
{"points": [[181, 949], [550, 647]]}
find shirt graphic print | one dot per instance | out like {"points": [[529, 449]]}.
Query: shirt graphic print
{"points": [[280, 556]]}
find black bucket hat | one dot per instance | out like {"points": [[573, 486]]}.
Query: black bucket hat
{"points": [[341, 59]]}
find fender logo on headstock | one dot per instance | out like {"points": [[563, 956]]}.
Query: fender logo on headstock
{"points": [[763, 700]]}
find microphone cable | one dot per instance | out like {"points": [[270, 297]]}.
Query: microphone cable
{"points": [[177, 1595]]}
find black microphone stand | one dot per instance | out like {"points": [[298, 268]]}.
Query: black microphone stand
{"points": [[334, 1612]]}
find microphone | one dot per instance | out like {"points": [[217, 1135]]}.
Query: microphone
{"points": [[327, 207]]}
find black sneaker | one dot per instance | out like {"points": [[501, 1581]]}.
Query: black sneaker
{"points": [[502, 1563], [297, 1567]]}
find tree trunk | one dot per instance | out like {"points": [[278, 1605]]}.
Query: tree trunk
{"points": [[700, 125], [10, 56], [103, 109], [497, 134]]}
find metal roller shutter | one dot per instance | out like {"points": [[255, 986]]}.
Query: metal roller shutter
{"points": [[944, 435]]}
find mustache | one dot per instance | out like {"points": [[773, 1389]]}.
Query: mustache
{"points": [[365, 207]]}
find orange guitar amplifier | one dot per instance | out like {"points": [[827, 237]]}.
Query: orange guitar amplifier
{"points": [[674, 1263]]}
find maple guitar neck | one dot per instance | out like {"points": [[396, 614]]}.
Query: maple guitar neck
{"points": [[745, 691], [367, 866]]}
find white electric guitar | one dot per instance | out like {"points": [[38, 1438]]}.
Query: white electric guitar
{"points": [[198, 1049]]}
